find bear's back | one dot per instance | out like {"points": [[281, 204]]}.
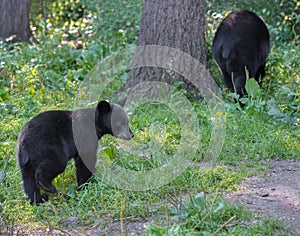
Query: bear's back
{"points": [[242, 34], [50, 124]]}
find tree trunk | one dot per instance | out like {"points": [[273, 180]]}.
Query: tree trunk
{"points": [[14, 20], [175, 24]]}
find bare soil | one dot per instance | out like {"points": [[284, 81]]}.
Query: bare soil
{"points": [[274, 194]]}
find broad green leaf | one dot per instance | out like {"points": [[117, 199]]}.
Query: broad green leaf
{"points": [[156, 230], [253, 88], [218, 206], [273, 108], [199, 200], [71, 191], [4, 93], [234, 95], [175, 230], [107, 153]]}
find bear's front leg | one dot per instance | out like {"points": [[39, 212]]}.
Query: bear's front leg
{"points": [[83, 174]]}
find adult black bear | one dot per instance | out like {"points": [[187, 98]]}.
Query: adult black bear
{"points": [[241, 42], [52, 138]]}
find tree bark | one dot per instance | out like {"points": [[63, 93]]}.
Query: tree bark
{"points": [[14, 20], [175, 24]]}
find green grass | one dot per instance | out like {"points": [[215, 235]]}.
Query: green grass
{"points": [[35, 78]]}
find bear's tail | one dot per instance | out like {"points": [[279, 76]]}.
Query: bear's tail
{"points": [[22, 156]]}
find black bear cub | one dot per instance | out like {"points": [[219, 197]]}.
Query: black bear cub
{"points": [[241, 42], [48, 142]]}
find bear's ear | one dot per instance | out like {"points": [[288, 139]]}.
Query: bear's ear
{"points": [[121, 101], [103, 106]]}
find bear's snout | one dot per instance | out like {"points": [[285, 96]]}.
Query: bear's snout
{"points": [[125, 135]]}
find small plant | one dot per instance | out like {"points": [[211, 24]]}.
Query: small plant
{"points": [[199, 214], [251, 103]]}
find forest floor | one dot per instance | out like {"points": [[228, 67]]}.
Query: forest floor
{"points": [[275, 194]]}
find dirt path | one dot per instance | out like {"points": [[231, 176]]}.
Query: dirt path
{"points": [[274, 194]]}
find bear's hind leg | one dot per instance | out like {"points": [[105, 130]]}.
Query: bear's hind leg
{"points": [[239, 83], [44, 181], [260, 73], [228, 81], [47, 170], [30, 188]]}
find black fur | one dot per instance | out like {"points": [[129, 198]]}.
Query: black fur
{"points": [[46, 144], [241, 42]]}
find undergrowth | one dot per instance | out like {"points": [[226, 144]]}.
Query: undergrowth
{"points": [[44, 76]]}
